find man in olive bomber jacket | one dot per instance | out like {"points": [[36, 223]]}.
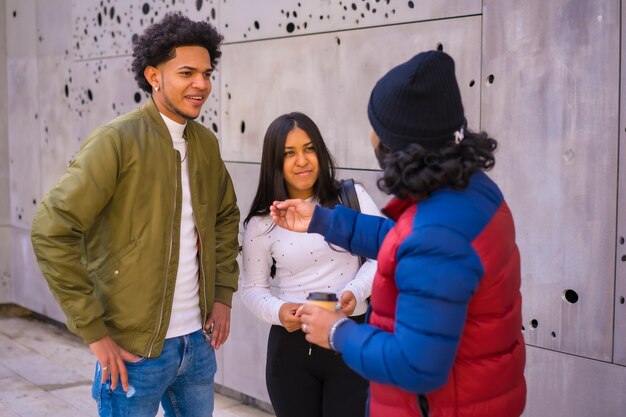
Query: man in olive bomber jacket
{"points": [[138, 240]]}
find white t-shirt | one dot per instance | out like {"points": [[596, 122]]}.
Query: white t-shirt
{"points": [[185, 317], [304, 263]]}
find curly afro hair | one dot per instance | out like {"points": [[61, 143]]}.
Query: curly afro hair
{"points": [[159, 41], [416, 172]]}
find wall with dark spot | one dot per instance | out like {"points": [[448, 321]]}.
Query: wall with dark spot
{"points": [[541, 77], [6, 287], [23, 124], [329, 77], [107, 28], [244, 20], [566, 205], [100, 85]]}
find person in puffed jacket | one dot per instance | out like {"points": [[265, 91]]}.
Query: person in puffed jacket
{"points": [[443, 337]]}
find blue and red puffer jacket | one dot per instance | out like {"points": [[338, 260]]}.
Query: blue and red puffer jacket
{"points": [[444, 332]]}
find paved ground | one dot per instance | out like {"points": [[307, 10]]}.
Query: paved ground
{"points": [[46, 371]]}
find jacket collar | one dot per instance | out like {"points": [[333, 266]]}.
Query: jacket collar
{"points": [[396, 207], [150, 108]]}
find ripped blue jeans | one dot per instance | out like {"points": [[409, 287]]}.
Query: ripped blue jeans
{"points": [[181, 379]]}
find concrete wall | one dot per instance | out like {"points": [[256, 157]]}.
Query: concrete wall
{"points": [[541, 77], [5, 229]]}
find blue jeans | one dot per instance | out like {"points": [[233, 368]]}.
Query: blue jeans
{"points": [[181, 379]]}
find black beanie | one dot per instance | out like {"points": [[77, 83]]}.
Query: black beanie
{"points": [[417, 102]]}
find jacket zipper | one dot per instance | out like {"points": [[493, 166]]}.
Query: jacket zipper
{"points": [[202, 277], [169, 257]]}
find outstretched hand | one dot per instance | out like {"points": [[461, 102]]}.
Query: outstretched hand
{"points": [[294, 215]]}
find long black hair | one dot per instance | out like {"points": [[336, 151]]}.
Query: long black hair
{"points": [[417, 171], [272, 181]]}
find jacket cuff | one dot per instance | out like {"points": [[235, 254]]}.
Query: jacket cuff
{"points": [[93, 332], [320, 222], [342, 334], [224, 295]]}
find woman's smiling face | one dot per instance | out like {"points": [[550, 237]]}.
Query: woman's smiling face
{"points": [[300, 165]]}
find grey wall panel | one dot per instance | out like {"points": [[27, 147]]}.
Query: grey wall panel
{"points": [[210, 115], [34, 129], [54, 34], [619, 345], [23, 127], [561, 385], [244, 344], [23, 108], [98, 91], [54, 27], [555, 112], [56, 142], [245, 351], [246, 20], [21, 21], [333, 90], [105, 29], [6, 282], [5, 185], [30, 290]]}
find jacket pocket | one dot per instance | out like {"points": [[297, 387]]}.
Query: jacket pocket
{"points": [[109, 269]]}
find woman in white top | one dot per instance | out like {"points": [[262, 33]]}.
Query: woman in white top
{"points": [[280, 269]]}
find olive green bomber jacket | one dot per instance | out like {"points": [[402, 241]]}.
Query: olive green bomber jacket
{"points": [[106, 236]]}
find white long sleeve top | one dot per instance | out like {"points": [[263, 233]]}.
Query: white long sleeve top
{"points": [[304, 263], [185, 317]]}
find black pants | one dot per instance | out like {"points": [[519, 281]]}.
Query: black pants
{"points": [[318, 384]]}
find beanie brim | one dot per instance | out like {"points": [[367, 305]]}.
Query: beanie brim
{"points": [[397, 142]]}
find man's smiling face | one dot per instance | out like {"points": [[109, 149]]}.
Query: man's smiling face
{"points": [[184, 83]]}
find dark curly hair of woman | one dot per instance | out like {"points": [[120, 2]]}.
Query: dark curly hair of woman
{"points": [[158, 43], [415, 172]]}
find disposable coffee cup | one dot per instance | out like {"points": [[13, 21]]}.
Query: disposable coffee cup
{"points": [[327, 300]]}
